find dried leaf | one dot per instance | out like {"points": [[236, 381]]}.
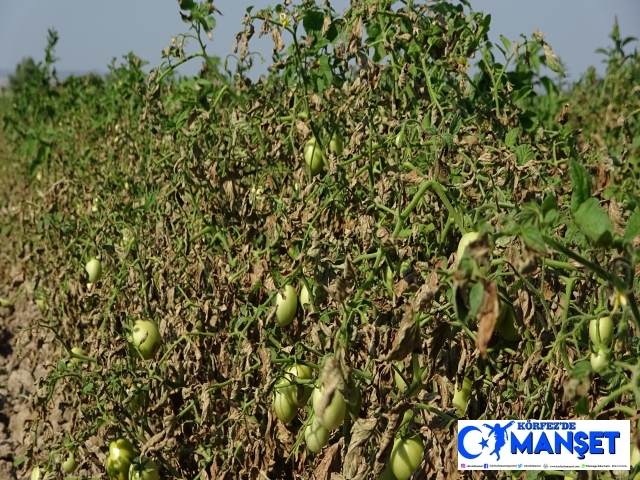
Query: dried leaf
{"points": [[487, 315]]}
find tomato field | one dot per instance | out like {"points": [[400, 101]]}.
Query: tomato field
{"points": [[316, 274]]}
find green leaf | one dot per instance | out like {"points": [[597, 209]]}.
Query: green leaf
{"points": [[532, 238], [580, 185], [506, 42], [594, 222], [456, 122], [475, 298], [633, 226], [512, 136], [186, 4], [523, 154]]}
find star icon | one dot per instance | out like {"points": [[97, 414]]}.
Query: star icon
{"points": [[484, 443]]}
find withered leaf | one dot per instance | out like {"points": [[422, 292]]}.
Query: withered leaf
{"points": [[331, 377], [487, 315], [408, 335]]}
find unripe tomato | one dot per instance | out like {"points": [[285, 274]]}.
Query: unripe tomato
{"points": [[400, 138], [461, 397], [94, 269], [605, 329], [334, 413], [304, 296], [506, 324], [599, 361], [336, 144], [121, 453], [316, 436], [143, 469], [387, 474], [77, 351], [70, 464], [35, 473], [406, 456], [145, 337], [42, 306], [285, 409], [297, 394], [466, 239], [313, 157], [286, 305]]}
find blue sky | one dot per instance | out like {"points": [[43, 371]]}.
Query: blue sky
{"points": [[92, 32]]}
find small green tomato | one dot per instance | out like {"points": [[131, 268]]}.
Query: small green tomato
{"points": [[466, 239], [406, 456], [77, 351], [506, 324], [145, 339], [336, 144], [313, 157], [286, 305], [334, 413], [94, 269], [605, 328], [400, 139], [599, 361], [143, 469], [304, 296], [285, 409], [121, 453], [461, 397], [70, 464], [298, 394], [316, 436]]}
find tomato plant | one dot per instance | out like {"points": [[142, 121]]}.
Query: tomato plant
{"points": [[286, 305], [145, 340], [406, 455], [77, 351], [353, 407], [143, 468], [316, 436], [602, 326], [334, 413], [400, 383]]}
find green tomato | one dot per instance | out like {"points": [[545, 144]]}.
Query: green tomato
{"points": [[406, 456], [316, 436], [461, 397], [42, 306], [35, 473], [336, 144], [145, 339], [313, 157], [143, 469], [400, 139], [304, 296], [506, 324], [121, 453], [94, 269], [285, 409], [77, 351], [466, 239], [298, 394], [387, 474], [334, 413], [605, 329], [599, 361], [70, 464], [353, 408], [286, 305]]}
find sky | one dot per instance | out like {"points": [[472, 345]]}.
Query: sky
{"points": [[93, 32]]}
